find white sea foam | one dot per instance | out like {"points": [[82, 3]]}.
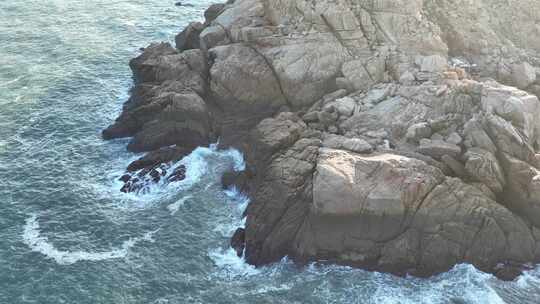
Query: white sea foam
{"points": [[174, 207], [3, 84], [473, 287], [197, 168], [230, 265], [241, 199], [33, 239]]}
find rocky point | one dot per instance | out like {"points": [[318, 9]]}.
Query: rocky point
{"points": [[397, 136]]}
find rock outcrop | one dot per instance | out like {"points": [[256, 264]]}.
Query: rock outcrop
{"points": [[399, 136]]}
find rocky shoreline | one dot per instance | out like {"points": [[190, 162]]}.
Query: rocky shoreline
{"points": [[397, 136]]}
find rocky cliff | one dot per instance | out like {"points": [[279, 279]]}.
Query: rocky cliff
{"points": [[392, 135]]}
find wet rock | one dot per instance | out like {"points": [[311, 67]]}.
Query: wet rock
{"points": [[125, 178], [238, 241], [239, 180], [179, 174], [157, 157], [132, 185], [510, 271]]}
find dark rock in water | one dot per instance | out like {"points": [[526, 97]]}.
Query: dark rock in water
{"points": [[238, 241], [510, 271], [178, 175], [458, 301], [132, 185], [156, 175], [154, 158], [148, 176], [240, 180], [189, 38], [152, 167], [125, 178]]}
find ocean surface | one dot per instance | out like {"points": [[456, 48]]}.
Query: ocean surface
{"points": [[68, 235]]}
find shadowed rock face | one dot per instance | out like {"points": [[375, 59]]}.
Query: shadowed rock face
{"points": [[397, 136]]}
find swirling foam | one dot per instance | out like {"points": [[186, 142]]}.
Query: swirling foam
{"points": [[37, 243], [197, 168], [230, 265], [173, 208]]}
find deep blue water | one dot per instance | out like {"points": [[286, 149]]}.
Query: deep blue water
{"points": [[67, 234]]}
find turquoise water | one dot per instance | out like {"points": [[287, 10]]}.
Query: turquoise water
{"points": [[67, 234]]}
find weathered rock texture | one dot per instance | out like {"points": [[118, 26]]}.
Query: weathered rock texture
{"points": [[399, 136]]}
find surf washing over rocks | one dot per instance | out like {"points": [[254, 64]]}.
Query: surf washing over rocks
{"points": [[378, 134], [83, 220]]}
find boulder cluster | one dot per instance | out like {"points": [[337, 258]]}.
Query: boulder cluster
{"points": [[392, 135]]}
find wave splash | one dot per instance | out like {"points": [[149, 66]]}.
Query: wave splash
{"points": [[37, 243]]}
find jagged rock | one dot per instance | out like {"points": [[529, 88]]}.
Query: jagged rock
{"points": [[350, 144], [522, 193], [523, 75], [484, 166], [357, 145], [241, 74], [432, 64], [311, 116], [476, 136], [344, 106], [438, 148], [374, 226], [327, 118], [407, 78], [157, 157], [151, 168], [393, 210], [457, 167], [213, 11], [189, 38], [455, 139], [273, 204], [161, 62], [213, 36], [362, 74], [184, 121], [419, 131], [179, 174]]}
